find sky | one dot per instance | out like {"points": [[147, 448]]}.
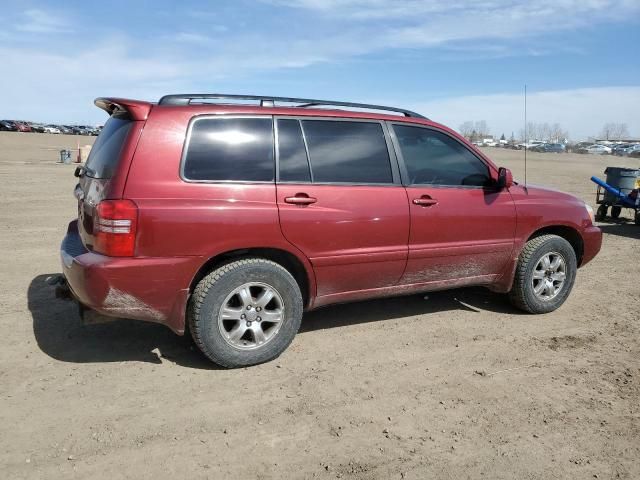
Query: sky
{"points": [[451, 60]]}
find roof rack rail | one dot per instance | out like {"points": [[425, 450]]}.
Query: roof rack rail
{"points": [[187, 99]]}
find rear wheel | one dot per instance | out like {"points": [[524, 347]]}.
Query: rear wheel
{"points": [[637, 217], [245, 312], [545, 274]]}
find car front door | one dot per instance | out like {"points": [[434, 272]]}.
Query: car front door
{"points": [[341, 202], [462, 225]]}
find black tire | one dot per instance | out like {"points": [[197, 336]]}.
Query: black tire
{"points": [[615, 212], [637, 217], [601, 213], [212, 291], [522, 293]]}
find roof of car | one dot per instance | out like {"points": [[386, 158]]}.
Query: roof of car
{"points": [[227, 103]]}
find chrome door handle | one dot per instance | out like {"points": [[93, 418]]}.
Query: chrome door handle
{"points": [[425, 202], [300, 199]]}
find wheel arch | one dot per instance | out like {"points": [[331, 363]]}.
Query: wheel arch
{"points": [[301, 270], [570, 234]]}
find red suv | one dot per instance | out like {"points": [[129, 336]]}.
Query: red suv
{"points": [[234, 218]]}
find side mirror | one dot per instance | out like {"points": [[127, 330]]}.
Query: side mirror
{"points": [[505, 178]]}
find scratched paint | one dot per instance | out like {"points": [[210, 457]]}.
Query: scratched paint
{"points": [[126, 305]]}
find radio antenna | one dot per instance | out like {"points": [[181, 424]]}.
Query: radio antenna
{"points": [[526, 137]]}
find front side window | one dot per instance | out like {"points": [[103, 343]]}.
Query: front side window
{"points": [[347, 152], [230, 149], [433, 158]]}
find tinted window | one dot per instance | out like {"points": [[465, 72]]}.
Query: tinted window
{"points": [[105, 153], [352, 152], [239, 149], [292, 155], [433, 158]]}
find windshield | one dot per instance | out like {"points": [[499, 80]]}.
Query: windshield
{"points": [[105, 153]]}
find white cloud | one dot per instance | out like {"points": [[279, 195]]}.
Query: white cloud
{"points": [[188, 37], [582, 111], [40, 21], [418, 23]]}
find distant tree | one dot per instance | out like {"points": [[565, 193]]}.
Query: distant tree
{"points": [[502, 137], [557, 134], [474, 131], [482, 128], [466, 129], [614, 131], [544, 132]]}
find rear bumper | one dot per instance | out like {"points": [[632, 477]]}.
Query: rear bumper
{"points": [[149, 289], [592, 238]]}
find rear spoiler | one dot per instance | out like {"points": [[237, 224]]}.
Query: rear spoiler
{"points": [[136, 109]]}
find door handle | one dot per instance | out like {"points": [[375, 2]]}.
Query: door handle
{"points": [[300, 199], [425, 201]]}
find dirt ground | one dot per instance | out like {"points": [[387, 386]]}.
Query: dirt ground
{"points": [[452, 385]]}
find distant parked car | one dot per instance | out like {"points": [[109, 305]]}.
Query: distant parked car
{"points": [[625, 150], [550, 148], [635, 153], [85, 130], [8, 126], [36, 127], [578, 147], [531, 145], [23, 127], [598, 149], [50, 129]]}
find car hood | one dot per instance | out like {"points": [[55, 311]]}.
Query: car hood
{"points": [[543, 192]]}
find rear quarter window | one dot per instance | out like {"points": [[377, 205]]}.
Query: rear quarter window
{"points": [[105, 153], [230, 149]]}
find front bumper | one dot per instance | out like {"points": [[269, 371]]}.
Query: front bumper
{"points": [[149, 289], [592, 238]]}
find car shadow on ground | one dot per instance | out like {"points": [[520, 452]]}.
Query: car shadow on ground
{"points": [[61, 334], [473, 299], [621, 228]]}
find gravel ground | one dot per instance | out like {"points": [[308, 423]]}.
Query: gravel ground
{"points": [[453, 385]]}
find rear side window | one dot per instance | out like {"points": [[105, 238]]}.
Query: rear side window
{"points": [[230, 149], [292, 154], [347, 152], [105, 153], [433, 158]]}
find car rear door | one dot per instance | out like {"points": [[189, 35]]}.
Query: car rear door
{"points": [[462, 226], [341, 202]]}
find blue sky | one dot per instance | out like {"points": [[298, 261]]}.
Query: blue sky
{"points": [[450, 60]]}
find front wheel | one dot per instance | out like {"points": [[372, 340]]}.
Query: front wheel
{"points": [[601, 213], [245, 312], [544, 275]]}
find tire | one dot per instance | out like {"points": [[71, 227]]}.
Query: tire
{"points": [[615, 212], [637, 217], [601, 213], [217, 336], [523, 294]]}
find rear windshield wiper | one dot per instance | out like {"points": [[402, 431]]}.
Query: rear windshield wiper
{"points": [[84, 170]]}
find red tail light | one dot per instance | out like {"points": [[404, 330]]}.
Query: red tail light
{"points": [[114, 228]]}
